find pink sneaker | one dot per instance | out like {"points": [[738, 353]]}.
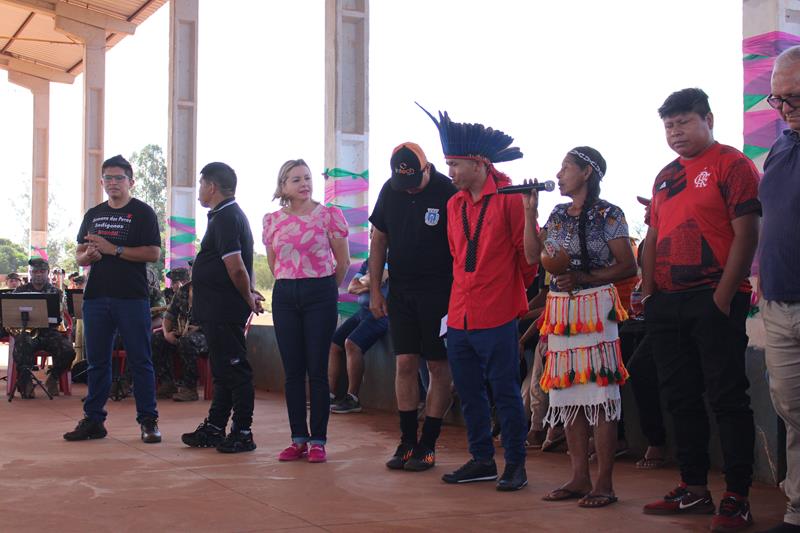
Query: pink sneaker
{"points": [[316, 454], [293, 452]]}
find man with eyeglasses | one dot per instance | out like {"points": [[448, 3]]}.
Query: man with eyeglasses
{"points": [[700, 244], [117, 238], [779, 263]]}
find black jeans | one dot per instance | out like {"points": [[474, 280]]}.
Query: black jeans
{"points": [[698, 349], [232, 375], [304, 313]]}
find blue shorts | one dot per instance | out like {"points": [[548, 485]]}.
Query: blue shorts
{"points": [[362, 328]]}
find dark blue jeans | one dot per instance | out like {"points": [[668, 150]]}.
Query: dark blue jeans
{"points": [[304, 313], [490, 355], [102, 318]]}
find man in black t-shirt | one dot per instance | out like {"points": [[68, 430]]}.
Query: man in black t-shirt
{"points": [[223, 298], [117, 238], [411, 214]]}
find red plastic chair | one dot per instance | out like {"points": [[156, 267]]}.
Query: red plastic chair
{"points": [[204, 367], [40, 358]]}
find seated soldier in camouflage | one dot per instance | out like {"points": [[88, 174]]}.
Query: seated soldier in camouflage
{"points": [[49, 340], [179, 334]]}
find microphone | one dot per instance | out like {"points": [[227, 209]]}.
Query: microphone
{"points": [[526, 188]]}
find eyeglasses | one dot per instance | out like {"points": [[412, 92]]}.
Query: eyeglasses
{"points": [[776, 102], [111, 177]]}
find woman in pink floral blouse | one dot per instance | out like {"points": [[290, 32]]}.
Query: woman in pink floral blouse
{"points": [[309, 256]]}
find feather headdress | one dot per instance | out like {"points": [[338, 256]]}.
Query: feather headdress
{"points": [[462, 140]]}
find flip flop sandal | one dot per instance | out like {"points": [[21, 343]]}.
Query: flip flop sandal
{"points": [[563, 494], [550, 445], [653, 463], [595, 501]]}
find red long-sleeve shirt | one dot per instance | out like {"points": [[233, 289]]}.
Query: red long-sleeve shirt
{"points": [[494, 293]]}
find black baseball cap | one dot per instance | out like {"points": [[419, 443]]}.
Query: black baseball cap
{"points": [[408, 162], [37, 263]]}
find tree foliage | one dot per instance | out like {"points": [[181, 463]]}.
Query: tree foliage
{"points": [[150, 173], [264, 278], [13, 257]]}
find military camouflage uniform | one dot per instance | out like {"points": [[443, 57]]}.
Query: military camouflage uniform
{"points": [[49, 340], [189, 345]]}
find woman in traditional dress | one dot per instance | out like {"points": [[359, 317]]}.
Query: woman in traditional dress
{"points": [[585, 245]]}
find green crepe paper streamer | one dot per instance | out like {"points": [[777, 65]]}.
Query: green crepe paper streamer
{"points": [[752, 99], [753, 57], [348, 309], [754, 152], [341, 173], [183, 220], [183, 238]]}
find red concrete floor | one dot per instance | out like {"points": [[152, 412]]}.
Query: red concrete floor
{"points": [[121, 484]]}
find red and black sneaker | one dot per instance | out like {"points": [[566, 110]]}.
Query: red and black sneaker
{"points": [[733, 515], [680, 500], [400, 457], [421, 459]]}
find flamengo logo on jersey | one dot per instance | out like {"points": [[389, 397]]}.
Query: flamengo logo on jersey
{"points": [[701, 180]]}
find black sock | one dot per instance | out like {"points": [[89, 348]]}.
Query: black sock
{"points": [[430, 432], [408, 427]]}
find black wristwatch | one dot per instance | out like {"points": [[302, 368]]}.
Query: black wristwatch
{"points": [[119, 251]]}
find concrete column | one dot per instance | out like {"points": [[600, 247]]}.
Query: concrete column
{"points": [[39, 169], [769, 27], [94, 84], [347, 118], [182, 142]]}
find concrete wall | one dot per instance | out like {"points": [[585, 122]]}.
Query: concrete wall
{"points": [[377, 392]]}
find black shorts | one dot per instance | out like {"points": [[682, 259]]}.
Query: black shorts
{"points": [[414, 322]]}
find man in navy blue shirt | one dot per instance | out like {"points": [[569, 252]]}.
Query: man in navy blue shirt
{"points": [[223, 298], [779, 265]]}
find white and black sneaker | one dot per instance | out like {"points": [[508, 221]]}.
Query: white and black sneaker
{"points": [[473, 471], [349, 404]]}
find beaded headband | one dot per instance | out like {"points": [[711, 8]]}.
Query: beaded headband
{"points": [[588, 159]]}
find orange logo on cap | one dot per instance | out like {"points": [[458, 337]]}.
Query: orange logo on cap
{"points": [[405, 170]]}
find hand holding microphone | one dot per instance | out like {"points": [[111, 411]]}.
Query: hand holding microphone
{"points": [[528, 186], [530, 189]]}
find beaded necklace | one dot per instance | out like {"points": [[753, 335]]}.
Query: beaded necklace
{"points": [[472, 243]]}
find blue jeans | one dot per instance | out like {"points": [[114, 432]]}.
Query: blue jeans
{"points": [[478, 356], [102, 318], [304, 313]]}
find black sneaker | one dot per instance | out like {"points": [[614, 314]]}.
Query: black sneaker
{"points": [[400, 457], [348, 405], [473, 471], [86, 430], [513, 478], [150, 432], [205, 436], [421, 459], [237, 441]]}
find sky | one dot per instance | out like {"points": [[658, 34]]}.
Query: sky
{"points": [[553, 75]]}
